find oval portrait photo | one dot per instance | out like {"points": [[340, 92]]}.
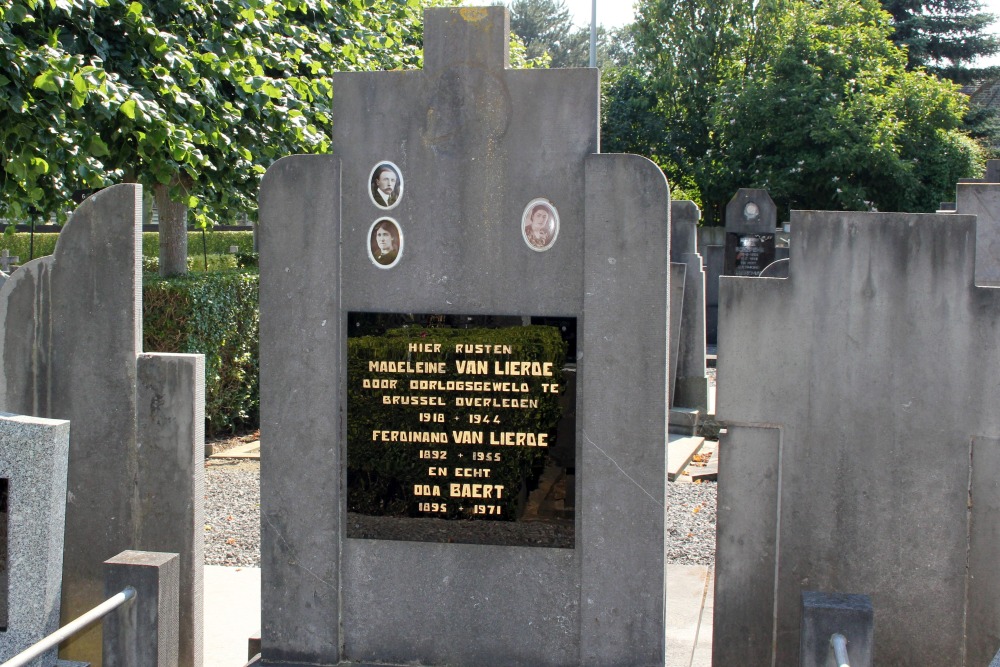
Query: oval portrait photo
{"points": [[540, 224], [386, 185], [385, 243]]}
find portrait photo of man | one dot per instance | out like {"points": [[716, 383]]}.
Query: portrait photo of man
{"points": [[540, 224], [386, 185], [385, 243]]}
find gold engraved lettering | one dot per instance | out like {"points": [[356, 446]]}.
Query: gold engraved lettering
{"points": [[475, 490], [510, 439], [469, 348], [376, 383], [406, 367], [437, 472], [424, 347], [472, 472], [410, 436], [467, 437], [535, 368]]}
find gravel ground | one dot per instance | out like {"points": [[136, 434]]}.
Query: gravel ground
{"points": [[232, 517], [232, 512], [691, 523]]}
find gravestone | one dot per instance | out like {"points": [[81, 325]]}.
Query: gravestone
{"points": [[991, 174], [690, 388], [70, 348], [7, 261], [751, 217], [862, 453], [509, 223], [983, 201], [33, 460]]}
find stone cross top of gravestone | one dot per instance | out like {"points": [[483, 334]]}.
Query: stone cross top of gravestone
{"points": [[751, 217], [463, 192], [7, 260]]}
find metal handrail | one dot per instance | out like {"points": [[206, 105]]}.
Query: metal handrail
{"points": [[839, 643], [71, 628]]}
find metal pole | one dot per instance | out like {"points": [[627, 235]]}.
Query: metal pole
{"points": [[593, 33], [70, 629], [839, 643]]}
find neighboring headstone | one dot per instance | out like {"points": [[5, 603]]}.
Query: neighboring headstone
{"points": [[826, 614], [751, 219], [677, 274], [890, 367], [7, 261], [33, 460], [983, 201], [991, 174], [69, 349], [714, 268], [505, 214], [143, 632], [690, 388]]}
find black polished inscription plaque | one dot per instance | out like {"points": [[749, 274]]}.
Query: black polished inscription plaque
{"points": [[748, 254], [461, 428]]}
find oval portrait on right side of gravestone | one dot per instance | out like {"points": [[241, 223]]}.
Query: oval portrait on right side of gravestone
{"points": [[385, 243], [540, 224], [386, 182]]}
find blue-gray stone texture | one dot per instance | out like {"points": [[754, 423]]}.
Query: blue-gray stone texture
{"points": [[861, 399], [475, 142], [34, 453]]}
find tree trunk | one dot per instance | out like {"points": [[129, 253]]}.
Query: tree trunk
{"points": [[173, 233]]}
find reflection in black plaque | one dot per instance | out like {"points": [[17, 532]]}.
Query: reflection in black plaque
{"points": [[461, 429], [748, 254]]}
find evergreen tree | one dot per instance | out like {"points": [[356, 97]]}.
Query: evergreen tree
{"points": [[944, 36], [546, 27]]}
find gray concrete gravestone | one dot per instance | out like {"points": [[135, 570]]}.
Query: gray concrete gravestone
{"points": [[494, 202], [863, 450], [71, 348]]}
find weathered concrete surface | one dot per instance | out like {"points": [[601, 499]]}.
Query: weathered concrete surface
{"points": [[888, 361], [69, 343], [983, 201], [690, 388], [33, 459], [474, 142], [171, 482], [144, 632]]}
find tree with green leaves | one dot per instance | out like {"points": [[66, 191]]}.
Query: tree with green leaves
{"points": [[546, 27], [835, 121], [944, 36], [192, 98]]}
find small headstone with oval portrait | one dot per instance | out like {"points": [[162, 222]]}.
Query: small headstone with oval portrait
{"points": [[751, 219]]}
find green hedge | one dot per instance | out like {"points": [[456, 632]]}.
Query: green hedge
{"points": [[215, 314], [218, 243], [381, 475], [18, 244]]}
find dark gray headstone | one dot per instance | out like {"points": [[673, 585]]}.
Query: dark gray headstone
{"points": [[751, 217], [475, 145]]}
